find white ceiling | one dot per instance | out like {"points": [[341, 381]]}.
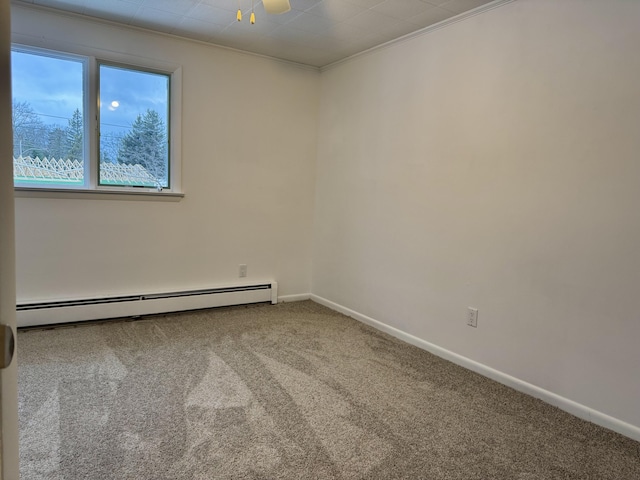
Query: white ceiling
{"points": [[314, 32]]}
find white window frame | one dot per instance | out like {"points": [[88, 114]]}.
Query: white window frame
{"points": [[91, 60]]}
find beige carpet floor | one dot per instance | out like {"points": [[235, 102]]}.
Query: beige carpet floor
{"points": [[293, 391]]}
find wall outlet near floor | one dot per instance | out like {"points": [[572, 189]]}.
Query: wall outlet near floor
{"points": [[242, 270], [472, 317]]}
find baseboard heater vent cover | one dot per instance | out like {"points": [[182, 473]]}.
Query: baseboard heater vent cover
{"points": [[67, 311]]}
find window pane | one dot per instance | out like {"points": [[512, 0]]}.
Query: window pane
{"points": [[134, 132], [48, 127]]}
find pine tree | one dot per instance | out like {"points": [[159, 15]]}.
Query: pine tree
{"points": [[75, 134], [146, 145]]}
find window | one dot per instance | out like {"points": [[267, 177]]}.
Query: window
{"points": [[48, 119], [134, 135], [87, 124]]}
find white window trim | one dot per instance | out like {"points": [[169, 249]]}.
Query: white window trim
{"points": [[91, 57]]}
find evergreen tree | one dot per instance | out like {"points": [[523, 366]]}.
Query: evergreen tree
{"points": [[146, 145], [75, 135]]}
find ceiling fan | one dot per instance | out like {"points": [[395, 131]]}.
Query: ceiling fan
{"points": [[276, 6], [270, 6]]}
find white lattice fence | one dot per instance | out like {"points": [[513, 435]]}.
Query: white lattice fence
{"points": [[124, 173], [27, 168], [60, 170]]}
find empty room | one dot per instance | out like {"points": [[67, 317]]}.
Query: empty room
{"points": [[323, 239]]}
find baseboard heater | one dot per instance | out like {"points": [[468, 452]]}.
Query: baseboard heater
{"points": [[68, 311]]}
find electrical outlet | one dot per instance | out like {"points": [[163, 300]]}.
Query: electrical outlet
{"points": [[242, 270], [472, 317]]}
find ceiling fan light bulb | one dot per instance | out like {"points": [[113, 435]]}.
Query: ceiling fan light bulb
{"points": [[239, 15], [252, 19]]}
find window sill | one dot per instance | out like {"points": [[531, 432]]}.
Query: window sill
{"points": [[28, 192]]}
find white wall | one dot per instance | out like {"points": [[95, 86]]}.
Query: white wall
{"points": [[248, 157], [495, 163]]}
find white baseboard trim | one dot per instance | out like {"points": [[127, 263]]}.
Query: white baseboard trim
{"points": [[294, 298], [551, 398]]}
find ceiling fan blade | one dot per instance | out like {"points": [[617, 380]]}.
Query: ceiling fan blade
{"points": [[276, 6]]}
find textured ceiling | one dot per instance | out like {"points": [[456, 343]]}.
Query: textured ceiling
{"points": [[314, 32]]}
